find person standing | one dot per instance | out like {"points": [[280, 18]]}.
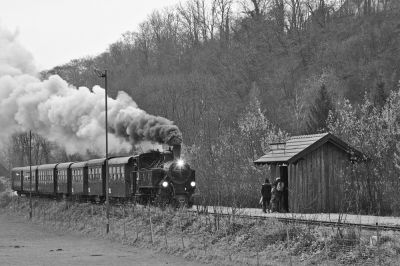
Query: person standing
{"points": [[266, 195], [276, 195], [280, 187]]}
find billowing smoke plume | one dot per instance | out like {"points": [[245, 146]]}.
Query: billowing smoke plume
{"points": [[74, 118]]}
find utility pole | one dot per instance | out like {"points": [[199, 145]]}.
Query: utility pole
{"points": [[102, 74], [30, 174]]}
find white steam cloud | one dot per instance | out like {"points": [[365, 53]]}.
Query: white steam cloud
{"points": [[74, 118]]}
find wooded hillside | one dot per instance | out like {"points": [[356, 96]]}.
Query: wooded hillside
{"points": [[199, 60], [236, 75]]}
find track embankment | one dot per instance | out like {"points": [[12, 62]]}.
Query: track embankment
{"points": [[228, 239]]}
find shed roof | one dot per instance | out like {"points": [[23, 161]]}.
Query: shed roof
{"points": [[297, 146]]}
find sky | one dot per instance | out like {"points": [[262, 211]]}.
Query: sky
{"points": [[57, 31]]}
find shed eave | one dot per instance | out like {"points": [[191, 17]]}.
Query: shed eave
{"points": [[263, 162]]}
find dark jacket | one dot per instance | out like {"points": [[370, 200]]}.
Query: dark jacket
{"points": [[266, 191]]}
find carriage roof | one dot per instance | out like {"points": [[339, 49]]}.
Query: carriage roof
{"points": [[78, 165], [47, 166], [64, 165], [120, 160], [96, 162]]}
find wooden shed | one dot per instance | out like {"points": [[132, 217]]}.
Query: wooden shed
{"points": [[312, 168]]}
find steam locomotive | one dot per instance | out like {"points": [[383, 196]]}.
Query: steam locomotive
{"points": [[151, 177]]}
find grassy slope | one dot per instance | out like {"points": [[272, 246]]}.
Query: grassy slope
{"points": [[206, 238]]}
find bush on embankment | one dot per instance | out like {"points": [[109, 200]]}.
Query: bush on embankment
{"points": [[5, 192], [216, 239]]}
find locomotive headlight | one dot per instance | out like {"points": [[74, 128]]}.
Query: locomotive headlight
{"points": [[165, 184], [180, 163], [192, 184]]}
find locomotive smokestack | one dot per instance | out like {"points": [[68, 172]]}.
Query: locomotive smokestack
{"points": [[175, 140], [176, 151]]}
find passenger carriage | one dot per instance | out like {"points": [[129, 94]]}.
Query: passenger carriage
{"points": [[96, 178], [120, 173], [64, 182], [79, 179], [47, 179]]}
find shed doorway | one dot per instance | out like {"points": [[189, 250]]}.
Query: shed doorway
{"points": [[283, 173]]}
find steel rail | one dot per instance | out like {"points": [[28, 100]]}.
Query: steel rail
{"points": [[308, 221]]}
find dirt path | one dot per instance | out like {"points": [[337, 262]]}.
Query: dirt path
{"points": [[24, 243]]}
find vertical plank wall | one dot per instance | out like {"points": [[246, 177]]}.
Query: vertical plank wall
{"points": [[316, 181]]}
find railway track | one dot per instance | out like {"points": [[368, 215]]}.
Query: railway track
{"points": [[308, 220]]}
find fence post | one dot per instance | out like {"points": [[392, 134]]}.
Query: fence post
{"points": [[165, 228], [377, 244], [124, 229], [258, 259], [180, 224], [151, 228], [359, 238], [288, 243]]}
